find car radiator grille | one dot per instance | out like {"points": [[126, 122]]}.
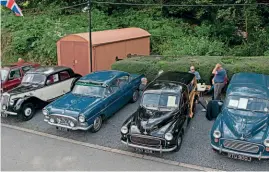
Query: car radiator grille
{"points": [[241, 146], [63, 120], [5, 99], [145, 141]]}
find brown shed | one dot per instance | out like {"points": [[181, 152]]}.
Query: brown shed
{"points": [[73, 50]]}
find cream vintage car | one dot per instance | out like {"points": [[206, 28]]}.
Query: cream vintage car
{"points": [[38, 87]]}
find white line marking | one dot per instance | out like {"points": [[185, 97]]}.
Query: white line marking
{"points": [[107, 149]]}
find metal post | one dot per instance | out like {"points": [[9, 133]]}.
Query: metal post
{"points": [[90, 33]]}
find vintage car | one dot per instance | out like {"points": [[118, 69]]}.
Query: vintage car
{"points": [[11, 75], [94, 98], [39, 86], [167, 105], [241, 130]]}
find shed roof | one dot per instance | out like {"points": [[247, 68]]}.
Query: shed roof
{"points": [[116, 35]]}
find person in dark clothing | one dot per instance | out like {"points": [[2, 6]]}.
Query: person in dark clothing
{"points": [[219, 80], [213, 109]]}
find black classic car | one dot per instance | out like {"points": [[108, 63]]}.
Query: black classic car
{"points": [[39, 86], [167, 104]]}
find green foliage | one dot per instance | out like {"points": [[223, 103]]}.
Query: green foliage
{"points": [[204, 64], [195, 31]]}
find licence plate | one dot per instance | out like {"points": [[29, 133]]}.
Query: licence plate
{"points": [[62, 128], [143, 150], [239, 157]]}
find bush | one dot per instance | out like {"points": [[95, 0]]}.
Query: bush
{"points": [[151, 65]]}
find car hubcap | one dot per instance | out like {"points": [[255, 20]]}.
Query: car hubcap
{"points": [[179, 141], [97, 123], [27, 111]]}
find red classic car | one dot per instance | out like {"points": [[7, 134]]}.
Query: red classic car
{"points": [[11, 75]]}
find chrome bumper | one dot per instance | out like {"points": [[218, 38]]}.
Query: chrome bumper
{"points": [[8, 112], [220, 149], [149, 148], [69, 127]]}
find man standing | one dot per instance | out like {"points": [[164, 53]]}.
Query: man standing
{"points": [[219, 80], [197, 75]]}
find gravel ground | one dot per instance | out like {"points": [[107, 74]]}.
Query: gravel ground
{"points": [[195, 149]]}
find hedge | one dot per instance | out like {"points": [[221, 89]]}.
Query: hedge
{"points": [[150, 65]]}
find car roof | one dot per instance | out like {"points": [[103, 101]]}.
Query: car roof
{"points": [[48, 70], [170, 82], [102, 77], [174, 76], [249, 84], [163, 87]]}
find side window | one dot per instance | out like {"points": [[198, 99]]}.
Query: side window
{"points": [[108, 91], [14, 74], [123, 81], [52, 79], [64, 75], [114, 86], [26, 68]]}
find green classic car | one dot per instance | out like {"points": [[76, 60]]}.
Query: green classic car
{"points": [[241, 129]]}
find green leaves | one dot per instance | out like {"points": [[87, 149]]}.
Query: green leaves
{"points": [[175, 30]]}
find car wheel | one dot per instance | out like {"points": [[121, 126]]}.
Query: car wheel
{"points": [[179, 142], [28, 111], [135, 96], [97, 124]]}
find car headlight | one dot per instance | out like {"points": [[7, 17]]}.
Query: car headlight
{"points": [[52, 120], [217, 134], [45, 111], [11, 102], [81, 118], [266, 142], [71, 124], [4, 107], [168, 136], [124, 130]]}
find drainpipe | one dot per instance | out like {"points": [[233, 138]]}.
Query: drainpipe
{"points": [[90, 32]]}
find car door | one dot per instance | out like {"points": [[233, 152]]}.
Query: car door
{"points": [[14, 78], [113, 98], [66, 81], [126, 88], [53, 88], [184, 103]]}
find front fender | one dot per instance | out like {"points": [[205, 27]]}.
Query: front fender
{"points": [[19, 103]]}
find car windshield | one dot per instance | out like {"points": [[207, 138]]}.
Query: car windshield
{"points": [[34, 79], [157, 101], [248, 103], [89, 90], [4, 74]]}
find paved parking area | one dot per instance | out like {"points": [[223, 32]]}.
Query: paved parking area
{"points": [[195, 149]]}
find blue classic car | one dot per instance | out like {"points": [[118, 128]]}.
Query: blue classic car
{"points": [[94, 98], [241, 130]]}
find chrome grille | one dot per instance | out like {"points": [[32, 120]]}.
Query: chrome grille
{"points": [[5, 99], [63, 120], [241, 146], [149, 141]]}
